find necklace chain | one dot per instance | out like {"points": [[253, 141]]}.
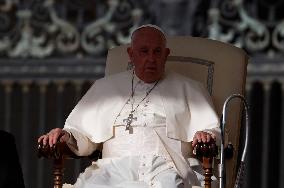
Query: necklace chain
{"points": [[130, 117], [133, 92]]}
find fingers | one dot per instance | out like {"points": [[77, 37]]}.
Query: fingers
{"points": [[194, 142], [51, 137], [40, 139], [202, 136], [196, 139], [213, 136], [43, 139], [207, 138]]}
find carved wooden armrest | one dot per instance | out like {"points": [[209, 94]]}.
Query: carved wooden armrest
{"points": [[205, 152], [58, 153]]}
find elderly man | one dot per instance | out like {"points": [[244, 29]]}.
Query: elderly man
{"points": [[145, 118]]}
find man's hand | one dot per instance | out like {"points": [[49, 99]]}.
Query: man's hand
{"points": [[201, 136], [52, 137]]}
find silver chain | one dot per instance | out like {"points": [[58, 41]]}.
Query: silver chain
{"points": [[130, 117]]}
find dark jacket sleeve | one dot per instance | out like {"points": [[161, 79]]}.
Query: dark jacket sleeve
{"points": [[10, 169]]}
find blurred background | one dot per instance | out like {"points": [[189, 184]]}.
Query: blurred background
{"points": [[52, 50]]}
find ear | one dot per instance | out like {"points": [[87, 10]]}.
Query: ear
{"points": [[168, 51], [130, 52]]}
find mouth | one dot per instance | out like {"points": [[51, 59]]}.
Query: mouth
{"points": [[151, 69]]}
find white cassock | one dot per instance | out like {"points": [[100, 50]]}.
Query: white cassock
{"points": [[156, 153]]}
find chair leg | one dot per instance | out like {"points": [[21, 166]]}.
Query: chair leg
{"points": [[58, 172], [207, 166]]}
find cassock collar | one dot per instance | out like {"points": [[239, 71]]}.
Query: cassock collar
{"points": [[140, 83]]}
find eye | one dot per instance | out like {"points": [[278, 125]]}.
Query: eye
{"points": [[158, 51], [143, 51]]}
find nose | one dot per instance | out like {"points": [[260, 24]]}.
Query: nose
{"points": [[151, 57]]}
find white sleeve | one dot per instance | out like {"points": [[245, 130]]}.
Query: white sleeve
{"points": [[80, 144]]}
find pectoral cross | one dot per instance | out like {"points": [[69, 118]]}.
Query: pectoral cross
{"points": [[129, 121]]}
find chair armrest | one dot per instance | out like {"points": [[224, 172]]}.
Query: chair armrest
{"points": [[205, 152], [58, 153], [59, 150]]}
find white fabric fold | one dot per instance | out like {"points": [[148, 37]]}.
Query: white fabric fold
{"points": [[80, 144], [181, 164], [187, 105], [175, 110]]}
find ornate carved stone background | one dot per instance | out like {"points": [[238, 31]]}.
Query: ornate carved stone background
{"points": [[45, 28], [256, 26], [49, 28]]}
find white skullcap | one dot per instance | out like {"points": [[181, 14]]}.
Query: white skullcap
{"points": [[151, 26]]}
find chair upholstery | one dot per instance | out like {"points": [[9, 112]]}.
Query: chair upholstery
{"points": [[219, 66]]}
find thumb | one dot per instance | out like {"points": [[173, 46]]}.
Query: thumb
{"points": [[64, 136]]}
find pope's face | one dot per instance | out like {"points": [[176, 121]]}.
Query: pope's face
{"points": [[148, 53]]}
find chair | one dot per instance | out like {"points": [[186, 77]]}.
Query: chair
{"points": [[219, 66]]}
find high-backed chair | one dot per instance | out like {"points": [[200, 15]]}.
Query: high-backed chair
{"points": [[219, 66]]}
